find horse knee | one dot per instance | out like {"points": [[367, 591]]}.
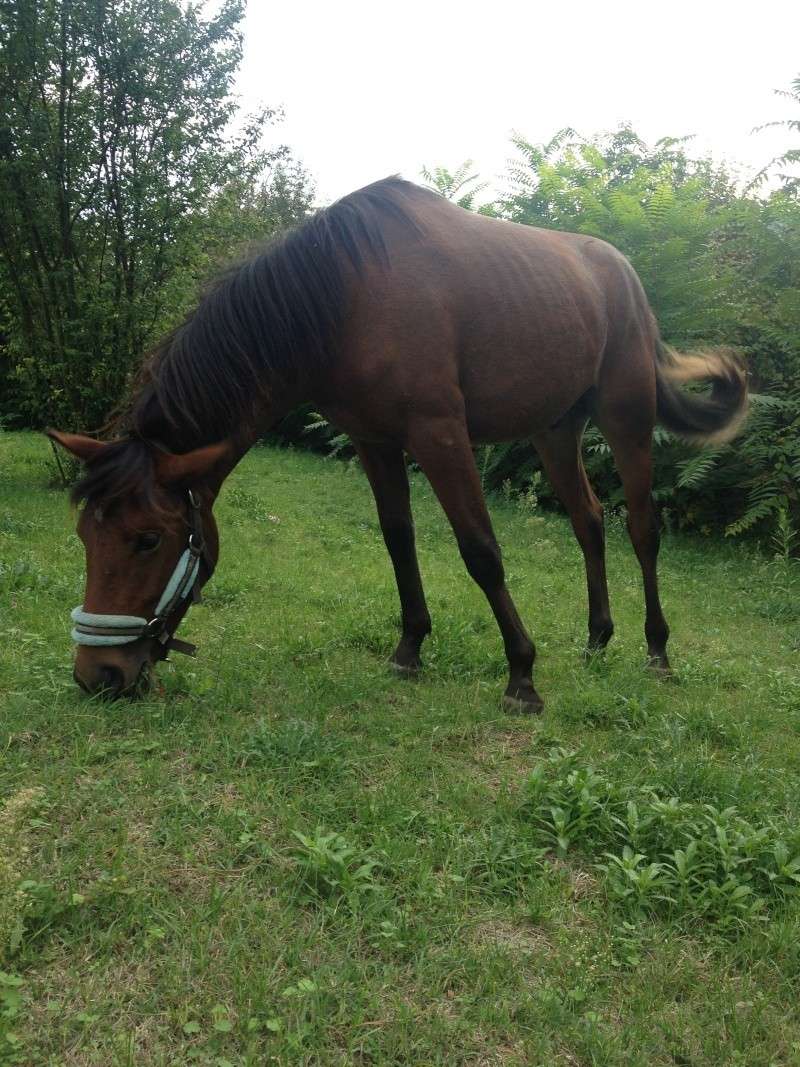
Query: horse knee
{"points": [[399, 537], [483, 561], [644, 527]]}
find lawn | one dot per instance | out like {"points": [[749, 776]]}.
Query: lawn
{"points": [[289, 855]]}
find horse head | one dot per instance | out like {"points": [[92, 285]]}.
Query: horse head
{"points": [[151, 542]]}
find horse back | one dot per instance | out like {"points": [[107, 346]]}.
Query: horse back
{"points": [[508, 322]]}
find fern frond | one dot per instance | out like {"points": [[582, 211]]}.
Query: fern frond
{"points": [[694, 471], [763, 501]]}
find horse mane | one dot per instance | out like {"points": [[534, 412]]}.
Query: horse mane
{"points": [[277, 317]]}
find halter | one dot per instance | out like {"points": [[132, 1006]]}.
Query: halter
{"points": [[99, 629]]}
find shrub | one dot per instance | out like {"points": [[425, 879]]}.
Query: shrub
{"points": [[660, 854]]}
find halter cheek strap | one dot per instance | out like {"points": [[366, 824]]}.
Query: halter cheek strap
{"points": [[93, 628]]}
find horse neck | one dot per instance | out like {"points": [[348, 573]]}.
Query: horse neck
{"points": [[277, 400], [267, 416]]}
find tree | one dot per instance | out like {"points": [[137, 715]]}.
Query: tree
{"points": [[115, 147]]}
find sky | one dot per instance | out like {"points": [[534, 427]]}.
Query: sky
{"points": [[371, 89]]}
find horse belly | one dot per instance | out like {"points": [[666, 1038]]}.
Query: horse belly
{"points": [[521, 406], [532, 324], [526, 371]]}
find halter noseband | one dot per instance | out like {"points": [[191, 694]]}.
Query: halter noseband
{"points": [[99, 629]]}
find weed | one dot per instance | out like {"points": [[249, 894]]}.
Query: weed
{"points": [[11, 1004], [15, 819], [661, 854], [526, 499], [502, 863], [23, 576], [329, 868], [785, 538], [295, 746], [248, 508]]}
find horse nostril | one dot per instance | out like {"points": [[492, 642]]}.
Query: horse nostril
{"points": [[110, 681]]}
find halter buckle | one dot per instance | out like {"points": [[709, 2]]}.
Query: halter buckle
{"points": [[155, 628]]}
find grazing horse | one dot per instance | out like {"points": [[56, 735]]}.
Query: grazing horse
{"points": [[419, 328]]}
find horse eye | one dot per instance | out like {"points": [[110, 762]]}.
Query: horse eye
{"points": [[146, 542]]}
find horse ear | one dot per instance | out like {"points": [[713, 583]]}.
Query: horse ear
{"points": [[203, 465], [83, 448]]}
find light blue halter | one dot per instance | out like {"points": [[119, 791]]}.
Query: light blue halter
{"points": [[93, 628]]}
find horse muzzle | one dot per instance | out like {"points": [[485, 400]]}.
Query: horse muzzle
{"points": [[114, 673]]}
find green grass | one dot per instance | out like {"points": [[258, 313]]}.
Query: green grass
{"points": [[292, 856]]}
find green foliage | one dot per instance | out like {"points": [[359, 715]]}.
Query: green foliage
{"points": [[121, 185], [661, 854], [328, 867], [11, 1008], [456, 185], [790, 158], [658, 206], [294, 746]]}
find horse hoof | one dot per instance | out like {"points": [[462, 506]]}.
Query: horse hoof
{"points": [[405, 670], [659, 667], [523, 702]]}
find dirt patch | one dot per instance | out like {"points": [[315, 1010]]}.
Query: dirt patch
{"points": [[504, 756], [582, 883], [63, 1006], [520, 937]]}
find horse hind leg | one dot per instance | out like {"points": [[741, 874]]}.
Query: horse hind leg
{"points": [[559, 449], [632, 445]]}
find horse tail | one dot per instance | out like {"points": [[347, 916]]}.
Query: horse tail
{"points": [[704, 419]]}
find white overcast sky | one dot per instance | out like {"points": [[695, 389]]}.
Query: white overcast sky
{"points": [[377, 88]]}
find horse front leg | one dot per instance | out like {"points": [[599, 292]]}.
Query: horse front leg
{"points": [[442, 448], [385, 467]]}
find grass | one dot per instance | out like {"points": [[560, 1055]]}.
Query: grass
{"points": [[291, 856]]}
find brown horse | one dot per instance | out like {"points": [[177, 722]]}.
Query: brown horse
{"points": [[417, 328]]}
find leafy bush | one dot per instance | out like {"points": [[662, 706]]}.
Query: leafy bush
{"points": [[660, 854]]}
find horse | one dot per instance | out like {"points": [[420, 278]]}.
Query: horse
{"points": [[420, 329]]}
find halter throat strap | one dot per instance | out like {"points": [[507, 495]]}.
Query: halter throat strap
{"points": [[92, 628]]}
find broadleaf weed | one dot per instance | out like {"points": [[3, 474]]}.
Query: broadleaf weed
{"points": [[662, 855]]}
